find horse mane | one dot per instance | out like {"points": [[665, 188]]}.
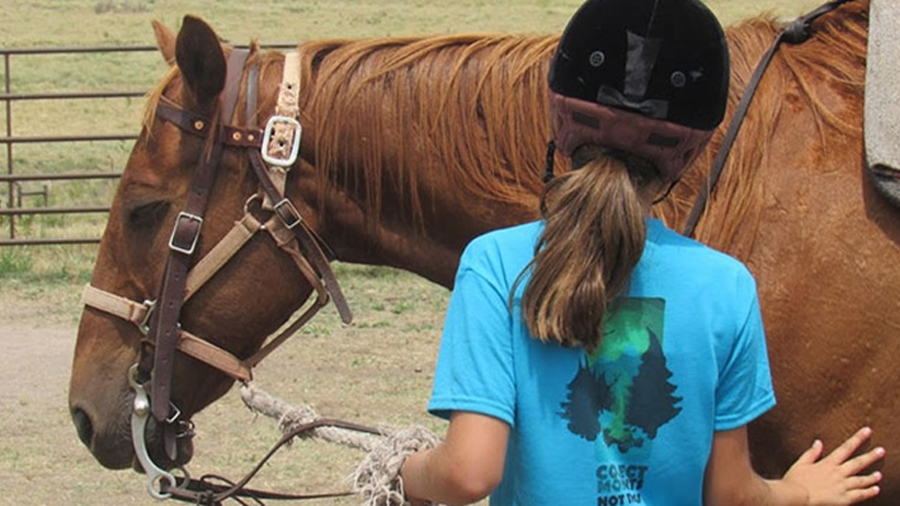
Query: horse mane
{"points": [[154, 96], [464, 117], [455, 115], [472, 108], [831, 62]]}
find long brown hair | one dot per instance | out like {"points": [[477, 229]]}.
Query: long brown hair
{"points": [[593, 238]]}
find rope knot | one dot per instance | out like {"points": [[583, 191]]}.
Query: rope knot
{"points": [[377, 477]]}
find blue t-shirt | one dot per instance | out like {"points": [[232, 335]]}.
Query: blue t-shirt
{"points": [[682, 356]]}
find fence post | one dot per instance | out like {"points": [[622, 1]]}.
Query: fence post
{"points": [[9, 148]]}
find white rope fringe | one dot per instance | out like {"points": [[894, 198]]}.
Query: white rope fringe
{"points": [[290, 417], [377, 477]]}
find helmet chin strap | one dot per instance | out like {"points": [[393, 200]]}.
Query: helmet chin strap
{"points": [[548, 172], [665, 195]]}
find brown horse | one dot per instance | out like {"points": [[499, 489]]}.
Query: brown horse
{"points": [[411, 147]]}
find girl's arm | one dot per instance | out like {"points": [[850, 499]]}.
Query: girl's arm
{"points": [[831, 481], [464, 468]]}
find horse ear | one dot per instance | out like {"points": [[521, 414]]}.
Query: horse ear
{"points": [[201, 60], [165, 41]]}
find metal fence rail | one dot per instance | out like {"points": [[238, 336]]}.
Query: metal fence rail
{"points": [[13, 179]]}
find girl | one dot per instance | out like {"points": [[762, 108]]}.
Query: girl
{"points": [[596, 357]]}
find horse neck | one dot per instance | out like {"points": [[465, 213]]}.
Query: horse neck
{"points": [[724, 214], [428, 245], [416, 158], [809, 94]]}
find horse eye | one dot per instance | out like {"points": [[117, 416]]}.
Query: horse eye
{"points": [[148, 214]]}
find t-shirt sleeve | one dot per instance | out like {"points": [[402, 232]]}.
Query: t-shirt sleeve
{"points": [[744, 391], [474, 369]]}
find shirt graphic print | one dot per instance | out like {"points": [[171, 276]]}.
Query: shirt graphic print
{"points": [[623, 393]]}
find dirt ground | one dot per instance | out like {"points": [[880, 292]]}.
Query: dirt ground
{"points": [[375, 371]]}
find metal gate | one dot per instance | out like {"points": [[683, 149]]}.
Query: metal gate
{"points": [[20, 191]]}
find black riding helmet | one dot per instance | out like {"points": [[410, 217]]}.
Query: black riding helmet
{"points": [[648, 77]]}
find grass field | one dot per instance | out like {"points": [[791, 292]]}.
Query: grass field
{"points": [[40, 286]]}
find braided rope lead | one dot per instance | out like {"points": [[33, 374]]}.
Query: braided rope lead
{"points": [[377, 477]]}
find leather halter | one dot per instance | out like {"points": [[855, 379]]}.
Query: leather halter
{"points": [[159, 319], [796, 32], [289, 229]]}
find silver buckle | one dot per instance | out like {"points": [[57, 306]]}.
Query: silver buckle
{"points": [[176, 413], [296, 129], [150, 306], [291, 217], [187, 250]]}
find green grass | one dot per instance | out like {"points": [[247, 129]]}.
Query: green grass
{"points": [[47, 264], [14, 262]]}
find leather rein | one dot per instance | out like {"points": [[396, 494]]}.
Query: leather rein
{"points": [[797, 32], [271, 151]]}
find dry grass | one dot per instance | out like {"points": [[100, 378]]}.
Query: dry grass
{"points": [[376, 371]]}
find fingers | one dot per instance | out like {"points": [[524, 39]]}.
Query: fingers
{"points": [[860, 462], [811, 455], [849, 447], [836, 479], [862, 488], [865, 481], [862, 494]]}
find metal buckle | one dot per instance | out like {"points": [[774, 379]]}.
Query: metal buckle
{"points": [[186, 430], [176, 413], [293, 218], [187, 250], [144, 326], [295, 128]]}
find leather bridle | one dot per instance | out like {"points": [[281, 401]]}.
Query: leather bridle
{"points": [[270, 159], [797, 32]]}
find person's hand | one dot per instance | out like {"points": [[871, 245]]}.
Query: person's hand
{"points": [[835, 479]]}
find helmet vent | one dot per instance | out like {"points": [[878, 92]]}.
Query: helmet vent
{"points": [[584, 119], [656, 139], [597, 58]]}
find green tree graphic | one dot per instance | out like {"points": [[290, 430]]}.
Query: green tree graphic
{"points": [[651, 403]]}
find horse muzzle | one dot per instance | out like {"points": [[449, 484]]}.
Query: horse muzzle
{"points": [[110, 446], [111, 442]]}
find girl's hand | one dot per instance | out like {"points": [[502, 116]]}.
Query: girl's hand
{"points": [[835, 479]]}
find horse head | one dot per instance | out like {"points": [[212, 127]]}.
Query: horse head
{"points": [[382, 163], [253, 286]]}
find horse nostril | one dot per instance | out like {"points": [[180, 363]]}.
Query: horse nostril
{"points": [[83, 426]]}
